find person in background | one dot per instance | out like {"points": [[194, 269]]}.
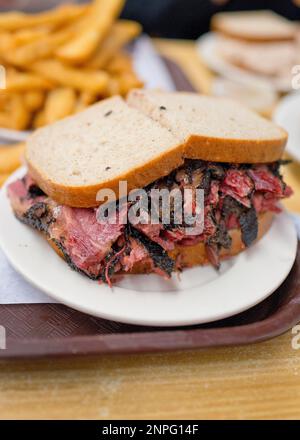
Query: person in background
{"points": [[191, 18]]}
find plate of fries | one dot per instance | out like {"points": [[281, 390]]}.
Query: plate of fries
{"points": [[60, 61]]}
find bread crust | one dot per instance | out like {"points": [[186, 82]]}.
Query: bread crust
{"points": [[251, 38], [191, 256], [234, 150], [218, 24], [85, 196], [209, 148]]}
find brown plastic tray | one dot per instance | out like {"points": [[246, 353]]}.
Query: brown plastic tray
{"points": [[41, 330]]}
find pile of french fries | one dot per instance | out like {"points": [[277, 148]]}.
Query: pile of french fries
{"points": [[59, 62], [11, 157]]}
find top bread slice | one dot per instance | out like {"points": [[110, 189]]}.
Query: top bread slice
{"points": [[259, 26], [143, 140], [72, 159], [213, 128]]}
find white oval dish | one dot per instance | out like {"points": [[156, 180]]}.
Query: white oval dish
{"points": [[207, 48], [201, 295]]}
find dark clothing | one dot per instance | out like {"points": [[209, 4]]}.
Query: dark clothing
{"points": [[191, 18]]}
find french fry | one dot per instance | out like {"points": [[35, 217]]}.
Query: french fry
{"points": [[122, 32], [23, 81], [3, 178], [25, 36], [85, 99], [59, 104], [128, 81], [15, 115], [5, 120], [3, 100], [37, 49], [79, 79], [6, 43], [61, 61], [120, 63], [13, 21], [39, 119], [10, 42], [19, 113], [113, 87], [34, 100], [88, 98], [10, 157], [95, 27]]}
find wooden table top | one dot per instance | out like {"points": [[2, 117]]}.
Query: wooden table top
{"points": [[256, 381]]}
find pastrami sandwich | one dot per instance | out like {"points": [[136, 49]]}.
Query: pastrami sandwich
{"points": [[154, 140]]}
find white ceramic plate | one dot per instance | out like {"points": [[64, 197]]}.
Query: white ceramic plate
{"points": [[207, 44], [201, 295], [287, 114]]}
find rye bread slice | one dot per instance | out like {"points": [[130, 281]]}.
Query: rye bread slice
{"points": [[213, 128]]}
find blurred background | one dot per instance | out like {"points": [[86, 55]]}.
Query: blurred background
{"points": [[175, 18], [191, 18]]}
